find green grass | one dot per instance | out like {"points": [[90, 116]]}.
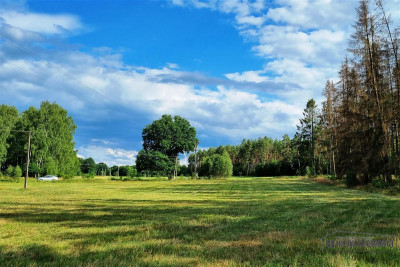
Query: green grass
{"points": [[232, 222]]}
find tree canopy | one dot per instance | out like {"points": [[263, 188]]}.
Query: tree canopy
{"points": [[163, 140], [52, 145], [170, 136]]}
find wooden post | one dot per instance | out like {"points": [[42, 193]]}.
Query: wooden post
{"points": [[195, 162], [27, 160], [176, 167]]}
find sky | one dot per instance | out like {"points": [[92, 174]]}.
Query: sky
{"points": [[235, 69]]}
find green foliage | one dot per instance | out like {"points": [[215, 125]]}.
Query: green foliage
{"points": [[170, 136], [17, 172], [88, 166], [8, 118], [102, 169], [216, 166], [261, 157], [132, 172], [34, 170], [310, 171], [379, 183], [163, 140], [88, 175], [9, 171], [52, 145], [184, 170], [154, 161], [351, 178]]}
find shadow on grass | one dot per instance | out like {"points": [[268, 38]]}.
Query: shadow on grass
{"points": [[239, 231]]}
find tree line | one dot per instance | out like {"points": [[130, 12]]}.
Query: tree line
{"points": [[356, 134], [361, 112], [89, 168], [52, 145]]}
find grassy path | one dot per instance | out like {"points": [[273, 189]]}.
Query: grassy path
{"points": [[233, 222]]}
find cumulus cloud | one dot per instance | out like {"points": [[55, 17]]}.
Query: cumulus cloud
{"points": [[92, 89], [41, 23], [109, 155], [303, 42]]}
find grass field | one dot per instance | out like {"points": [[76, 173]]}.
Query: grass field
{"points": [[232, 222]]}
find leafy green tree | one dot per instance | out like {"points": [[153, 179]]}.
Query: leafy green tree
{"points": [[217, 165], [88, 166], [17, 172], [132, 172], [154, 161], [8, 118], [9, 171], [170, 136], [102, 169], [52, 145], [34, 169], [167, 136]]}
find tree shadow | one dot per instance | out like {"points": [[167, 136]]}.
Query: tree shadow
{"points": [[260, 230]]}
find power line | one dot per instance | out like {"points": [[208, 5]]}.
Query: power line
{"points": [[20, 131]]}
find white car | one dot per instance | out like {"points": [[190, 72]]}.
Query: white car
{"points": [[48, 178]]}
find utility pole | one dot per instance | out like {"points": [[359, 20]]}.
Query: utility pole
{"points": [[27, 160], [27, 153], [176, 167], [195, 162]]}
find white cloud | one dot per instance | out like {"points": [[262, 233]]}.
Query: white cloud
{"points": [[301, 53], [303, 42], [227, 111], [248, 76], [41, 23], [108, 155], [311, 14]]}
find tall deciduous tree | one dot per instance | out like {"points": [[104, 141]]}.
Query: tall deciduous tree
{"points": [[164, 139], [52, 145], [8, 118]]}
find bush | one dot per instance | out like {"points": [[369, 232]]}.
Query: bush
{"points": [[66, 176], [217, 166], [310, 171], [17, 173], [351, 178], [9, 171], [132, 172], [88, 175], [379, 183]]}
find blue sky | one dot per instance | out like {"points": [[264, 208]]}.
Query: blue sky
{"points": [[235, 69]]}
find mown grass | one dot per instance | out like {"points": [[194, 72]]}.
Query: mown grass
{"points": [[232, 222]]}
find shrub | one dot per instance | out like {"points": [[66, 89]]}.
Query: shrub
{"points": [[66, 175], [379, 183], [310, 171], [9, 171], [272, 168], [351, 178], [217, 166], [17, 173], [132, 172], [88, 175]]}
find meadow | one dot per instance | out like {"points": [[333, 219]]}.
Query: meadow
{"points": [[223, 222]]}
